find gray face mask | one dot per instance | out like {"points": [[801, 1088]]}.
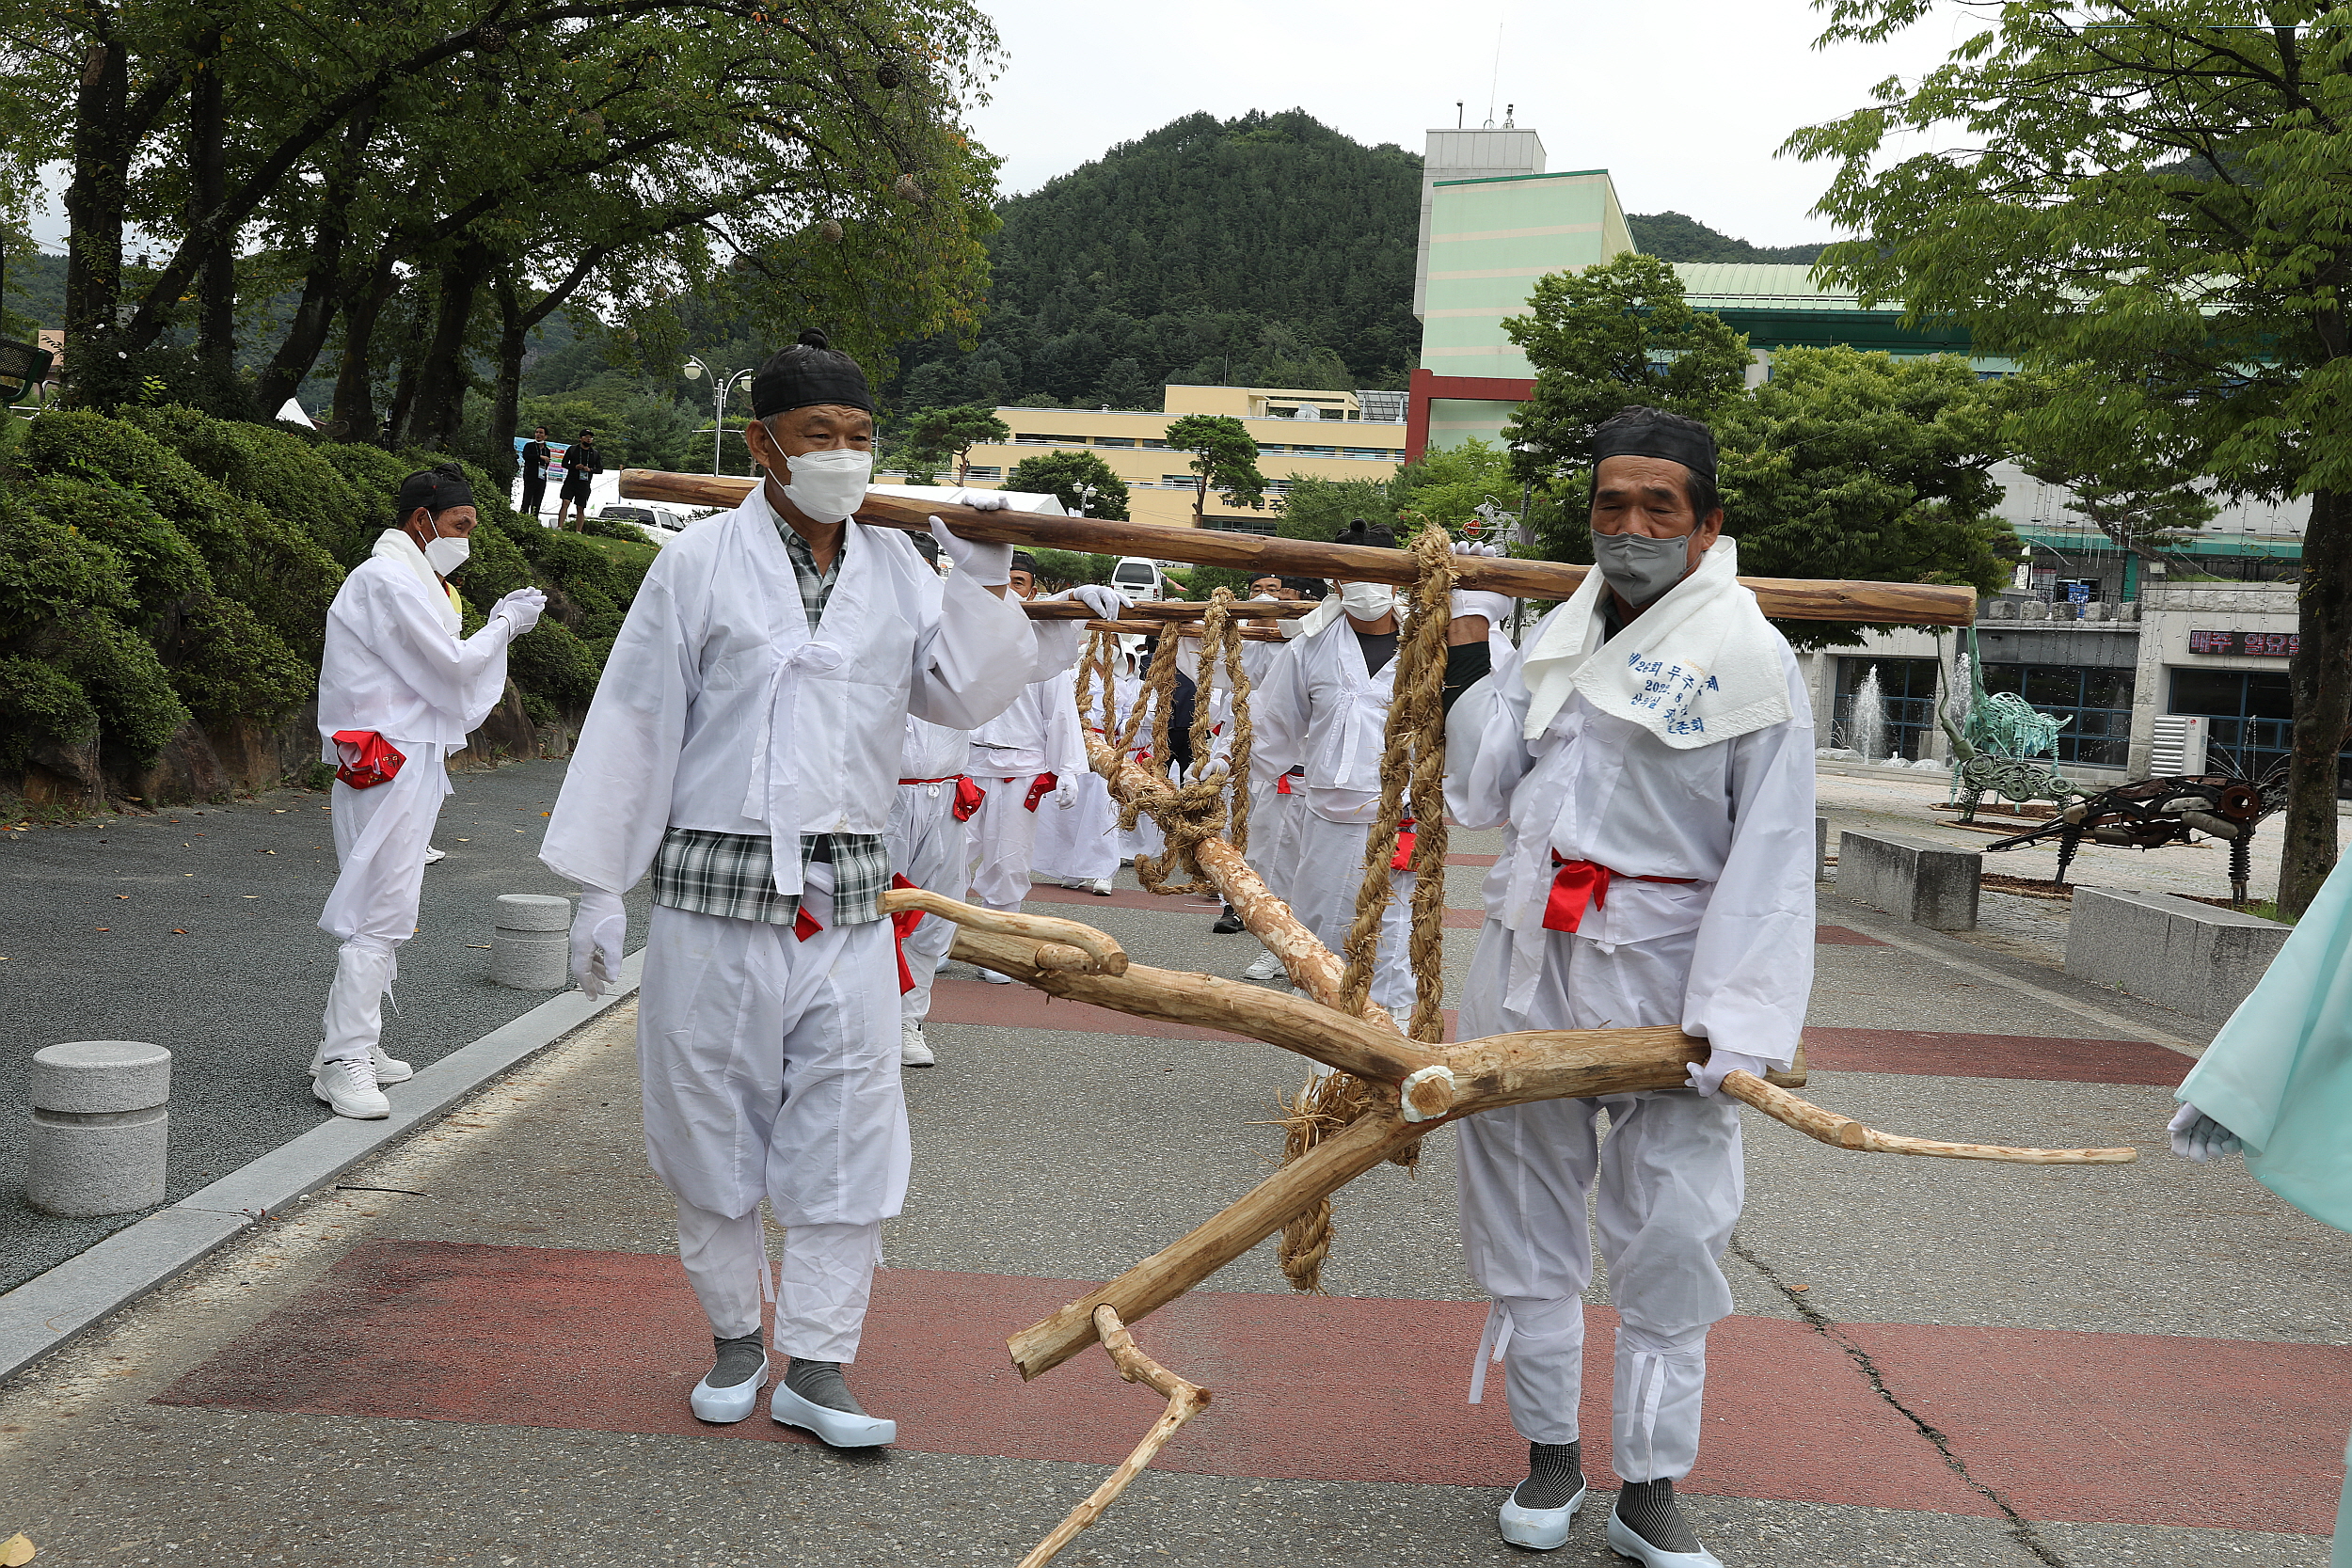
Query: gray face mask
{"points": [[1639, 568]]}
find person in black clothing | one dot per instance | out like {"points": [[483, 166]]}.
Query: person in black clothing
{"points": [[536, 458], [581, 465]]}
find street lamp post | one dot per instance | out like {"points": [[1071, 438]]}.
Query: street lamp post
{"points": [[722, 382], [1086, 499]]}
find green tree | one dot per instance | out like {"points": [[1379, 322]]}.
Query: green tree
{"points": [[1224, 458], [1064, 474], [1449, 485], [1854, 465], [2161, 194], [2100, 445], [936, 435], [1320, 509], [1608, 337]]}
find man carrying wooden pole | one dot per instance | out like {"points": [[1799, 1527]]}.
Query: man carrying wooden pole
{"points": [[1650, 753]]}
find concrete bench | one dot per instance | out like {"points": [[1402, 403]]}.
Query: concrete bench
{"points": [[2179, 954], [1927, 884]]}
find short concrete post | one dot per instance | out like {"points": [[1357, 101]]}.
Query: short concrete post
{"points": [[1821, 847], [101, 1126], [531, 948], [1927, 884]]}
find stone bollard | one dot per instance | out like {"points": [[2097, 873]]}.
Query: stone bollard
{"points": [[100, 1125], [531, 950]]}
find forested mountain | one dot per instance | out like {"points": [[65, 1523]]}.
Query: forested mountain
{"points": [[1673, 237], [1267, 250], [36, 287]]}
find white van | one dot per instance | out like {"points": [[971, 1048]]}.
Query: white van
{"points": [[1138, 576]]}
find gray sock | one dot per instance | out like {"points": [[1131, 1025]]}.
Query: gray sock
{"points": [[1648, 1509], [738, 1360], [1555, 1473], [820, 1383]]}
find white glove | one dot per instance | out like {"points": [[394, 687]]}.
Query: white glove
{"points": [[1707, 1076], [598, 930], [521, 609], [2197, 1136], [991, 566], [1467, 602], [1471, 546], [1107, 602], [1065, 792], [981, 501]]}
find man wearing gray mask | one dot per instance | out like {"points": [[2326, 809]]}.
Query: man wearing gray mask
{"points": [[1649, 753]]}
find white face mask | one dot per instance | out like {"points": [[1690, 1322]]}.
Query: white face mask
{"points": [[830, 485], [445, 555], [1366, 601]]}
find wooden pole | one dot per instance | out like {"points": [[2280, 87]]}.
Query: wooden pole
{"points": [[1790, 598]]}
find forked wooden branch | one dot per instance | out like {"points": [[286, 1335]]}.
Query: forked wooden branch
{"points": [[1826, 1126], [1184, 1400], [1046, 943]]}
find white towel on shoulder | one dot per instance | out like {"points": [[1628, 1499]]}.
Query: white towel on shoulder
{"points": [[1699, 666]]}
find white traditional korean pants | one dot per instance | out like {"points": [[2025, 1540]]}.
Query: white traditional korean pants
{"points": [[927, 847], [1080, 845], [1274, 835], [1670, 1181], [381, 835], [1002, 838], [771, 1069], [1327, 867]]}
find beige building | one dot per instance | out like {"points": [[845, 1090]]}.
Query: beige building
{"points": [[1324, 435]]}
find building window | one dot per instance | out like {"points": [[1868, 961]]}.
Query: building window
{"points": [[2252, 721], [1906, 705], [1114, 440], [977, 471], [1376, 454], [2096, 703], [1178, 479]]}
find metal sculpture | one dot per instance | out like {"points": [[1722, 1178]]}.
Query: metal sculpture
{"points": [[2149, 814], [1994, 745]]}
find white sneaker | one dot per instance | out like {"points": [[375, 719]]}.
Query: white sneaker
{"points": [[1100, 887], [746, 1363], [386, 1069], [839, 1420], [431, 854], [350, 1088], [1265, 966], [914, 1050], [995, 979]]}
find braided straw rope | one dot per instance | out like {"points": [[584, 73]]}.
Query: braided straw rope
{"points": [[1412, 768]]}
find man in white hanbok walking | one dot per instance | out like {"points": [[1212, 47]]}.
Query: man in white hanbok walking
{"points": [[399, 690], [1649, 751], [744, 748]]}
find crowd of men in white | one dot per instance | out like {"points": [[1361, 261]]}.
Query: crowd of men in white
{"points": [[799, 713]]}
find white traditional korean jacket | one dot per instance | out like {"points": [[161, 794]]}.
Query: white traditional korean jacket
{"points": [[394, 662], [1320, 707], [720, 709]]}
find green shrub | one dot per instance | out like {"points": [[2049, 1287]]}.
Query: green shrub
{"points": [[232, 666], [52, 571], [118, 668], [494, 568], [41, 704], [163, 567], [584, 572], [555, 664], [276, 469]]}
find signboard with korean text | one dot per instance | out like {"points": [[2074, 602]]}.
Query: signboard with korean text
{"points": [[2256, 645]]}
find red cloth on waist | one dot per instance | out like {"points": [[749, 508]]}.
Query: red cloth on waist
{"points": [[1403, 859], [1038, 789], [968, 795], [1579, 885], [367, 758], [902, 926], [1282, 785]]}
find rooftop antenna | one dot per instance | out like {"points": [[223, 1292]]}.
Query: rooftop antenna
{"points": [[1496, 80], [1509, 113], [1457, 114]]}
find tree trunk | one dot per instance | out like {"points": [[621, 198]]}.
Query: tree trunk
{"points": [[506, 401], [208, 185], [355, 383], [93, 202], [398, 424], [2320, 677], [322, 278], [441, 377]]}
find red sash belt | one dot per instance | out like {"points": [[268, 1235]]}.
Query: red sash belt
{"points": [[367, 758], [1579, 885], [1403, 859], [968, 795], [1282, 785], [1041, 787], [902, 925]]}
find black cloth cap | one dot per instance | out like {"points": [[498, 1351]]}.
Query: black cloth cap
{"points": [[1306, 588], [1023, 562], [807, 373], [1642, 431], [435, 489], [1360, 533]]}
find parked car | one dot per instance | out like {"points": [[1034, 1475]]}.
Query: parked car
{"points": [[660, 523], [1139, 577]]}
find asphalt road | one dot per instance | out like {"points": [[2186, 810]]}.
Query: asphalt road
{"points": [[197, 930]]}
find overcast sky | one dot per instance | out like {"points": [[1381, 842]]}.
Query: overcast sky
{"points": [[1682, 101]]}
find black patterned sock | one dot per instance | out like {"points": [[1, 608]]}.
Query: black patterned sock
{"points": [[1555, 1474], [738, 1360], [1648, 1509], [820, 1383]]}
